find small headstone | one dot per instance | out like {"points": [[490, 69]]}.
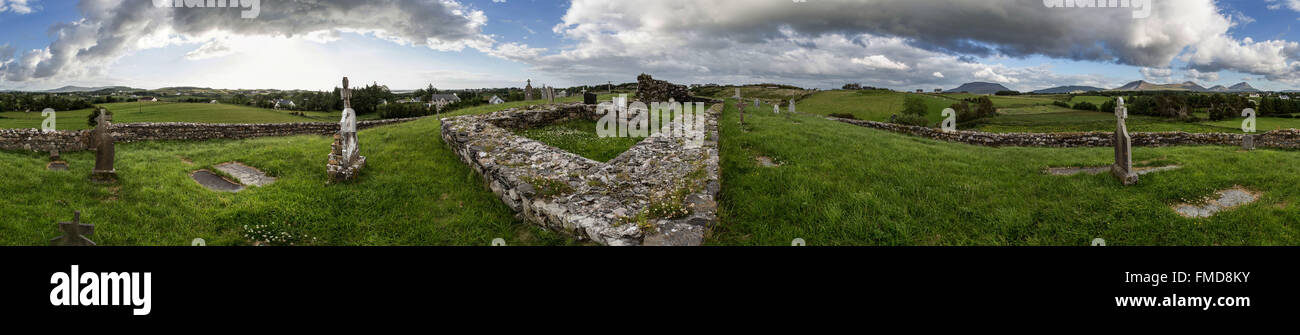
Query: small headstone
{"points": [[74, 233], [528, 90], [776, 109], [1248, 142], [1123, 168], [737, 96], [345, 162], [56, 162], [755, 103], [589, 98], [791, 109], [104, 171]]}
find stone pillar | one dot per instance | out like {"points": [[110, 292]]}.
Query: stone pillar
{"points": [[105, 152], [1123, 168], [345, 161]]}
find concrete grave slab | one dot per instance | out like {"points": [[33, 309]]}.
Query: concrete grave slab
{"points": [[214, 182], [1227, 200], [247, 175]]}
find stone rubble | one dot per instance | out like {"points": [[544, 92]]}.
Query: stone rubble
{"points": [[659, 192]]}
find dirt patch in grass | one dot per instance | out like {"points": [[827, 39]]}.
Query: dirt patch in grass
{"points": [[765, 161]]}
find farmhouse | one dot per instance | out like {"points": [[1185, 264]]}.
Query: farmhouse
{"points": [[285, 104], [442, 100], [496, 100], [148, 99]]}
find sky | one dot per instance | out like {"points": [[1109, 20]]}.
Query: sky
{"points": [[452, 44]]}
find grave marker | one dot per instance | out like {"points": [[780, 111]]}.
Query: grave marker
{"points": [[104, 171], [791, 109], [344, 161], [528, 90], [1123, 168], [74, 233]]}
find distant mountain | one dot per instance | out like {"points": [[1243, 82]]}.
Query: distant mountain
{"points": [[1141, 85], [979, 88], [1068, 89], [77, 89], [1242, 87], [1218, 88]]}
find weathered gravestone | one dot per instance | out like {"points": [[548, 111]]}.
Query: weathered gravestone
{"points": [[550, 95], [56, 162], [741, 106], [791, 109], [589, 98], [102, 138], [74, 233], [344, 161], [1123, 168], [755, 103], [1248, 142], [737, 96], [776, 109], [528, 90]]}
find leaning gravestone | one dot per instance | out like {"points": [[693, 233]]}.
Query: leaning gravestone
{"points": [[74, 233], [1123, 168], [344, 161], [104, 171]]}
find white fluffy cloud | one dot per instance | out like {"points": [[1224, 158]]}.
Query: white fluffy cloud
{"points": [[894, 42], [17, 6], [111, 29]]}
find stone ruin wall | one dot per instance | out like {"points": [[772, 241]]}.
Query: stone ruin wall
{"points": [[1282, 139], [79, 140], [650, 90], [585, 199]]}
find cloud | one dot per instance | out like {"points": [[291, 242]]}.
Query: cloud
{"points": [[894, 42], [1156, 74], [1292, 4], [17, 6], [213, 49], [1195, 75], [111, 29]]}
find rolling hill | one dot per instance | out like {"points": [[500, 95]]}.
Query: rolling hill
{"points": [[1068, 89], [979, 88]]}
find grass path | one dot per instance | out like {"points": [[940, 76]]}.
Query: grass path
{"points": [[840, 184]]}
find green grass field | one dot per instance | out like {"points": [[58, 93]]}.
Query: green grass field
{"points": [[579, 137], [413, 191], [132, 112], [836, 184], [840, 184], [867, 105]]}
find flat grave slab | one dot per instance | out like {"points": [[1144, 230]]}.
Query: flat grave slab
{"points": [[247, 175], [214, 182], [1227, 200]]}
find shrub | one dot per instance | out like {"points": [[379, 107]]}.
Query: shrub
{"points": [[912, 120], [1085, 106], [91, 120], [913, 105], [1061, 104]]}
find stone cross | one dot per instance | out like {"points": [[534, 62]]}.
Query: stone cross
{"points": [[104, 150], [1123, 168], [528, 90], [74, 233], [346, 93]]}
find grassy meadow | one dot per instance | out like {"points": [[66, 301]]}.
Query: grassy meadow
{"points": [[133, 112], [839, 184], [413, 191], [579, 137]]}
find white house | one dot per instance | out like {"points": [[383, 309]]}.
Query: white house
{"points": [[213, 102], [148, 99], [285, 104], [442, 100], [496, 100]]}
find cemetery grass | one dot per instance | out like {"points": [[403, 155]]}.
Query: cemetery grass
{"points": [[579, 137], [134, 112], [871, 105], [413, 191], [839, 184]]}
